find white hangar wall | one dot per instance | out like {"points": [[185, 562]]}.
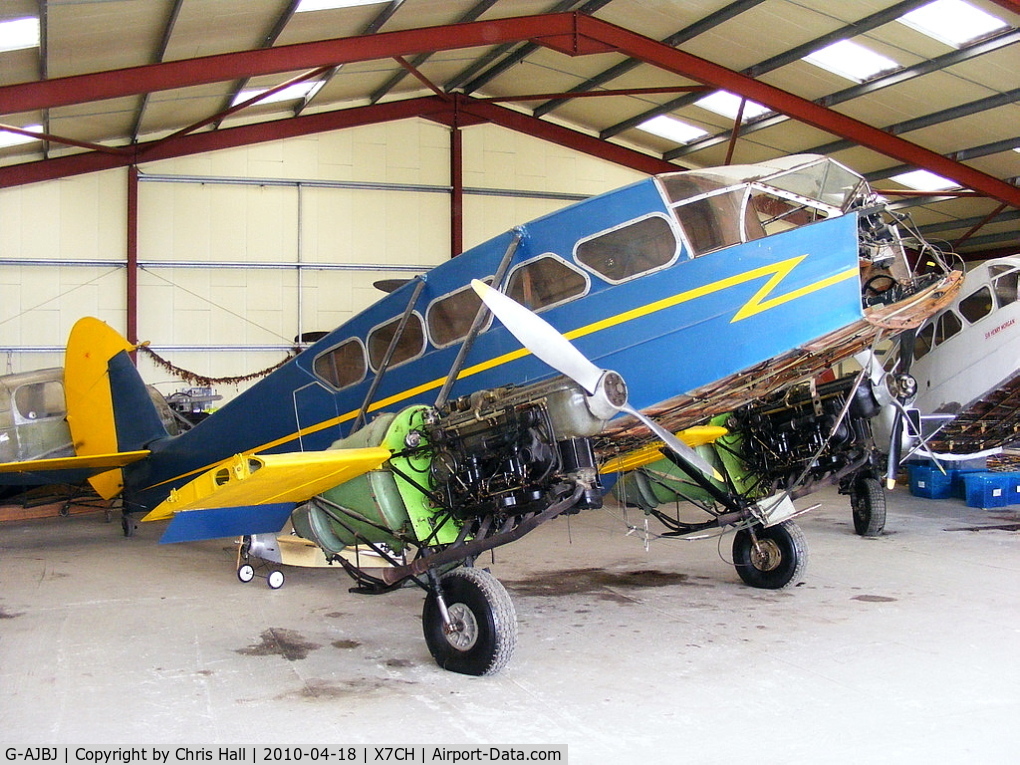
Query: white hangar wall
{"points": [[221, 236]]}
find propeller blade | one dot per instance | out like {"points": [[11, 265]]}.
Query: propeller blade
{"points": [[547, 344], [540, 337], [685, 452]]}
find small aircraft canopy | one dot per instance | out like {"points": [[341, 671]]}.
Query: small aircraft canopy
{"points": [[728, 205]]}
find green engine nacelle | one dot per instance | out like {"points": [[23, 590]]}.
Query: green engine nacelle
{"points": [[380, 506]]}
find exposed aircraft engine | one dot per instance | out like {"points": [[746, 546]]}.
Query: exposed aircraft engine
{"points": [[805, 437], [477, 473], [501, 450]]}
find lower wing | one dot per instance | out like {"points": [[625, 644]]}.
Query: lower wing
{"points": [[255, 493]]}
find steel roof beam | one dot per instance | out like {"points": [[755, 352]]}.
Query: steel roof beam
{"points": [[679, 37], [477, 10], [370, 29], [799, 108], [446, 109], [573, 34], [996, 147], [525, 50], [929, 120], [893, 78], [223, 67], [861, 26]]}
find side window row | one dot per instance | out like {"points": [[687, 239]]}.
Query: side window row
{"points": [[617, 255], [974, 307]]}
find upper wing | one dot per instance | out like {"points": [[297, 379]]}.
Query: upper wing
{"points": [[255, 493]]}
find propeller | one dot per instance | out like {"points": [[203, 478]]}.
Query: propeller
{"points": [[896, 389], [607, 389]]}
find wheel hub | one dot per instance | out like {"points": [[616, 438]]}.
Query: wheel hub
{"points": [[462, 632], [766, 555]]}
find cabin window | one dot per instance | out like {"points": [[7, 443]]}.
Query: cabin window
{"points": [[41, 400], [1006, 289], [630, 250], [411, 343], [714, 222], [341, 366], [449, 318], [545, 282], [977, 305], [770, 214], [922, 342], [947, 326]]}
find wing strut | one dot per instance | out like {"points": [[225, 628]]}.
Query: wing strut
{"points": [[360, 419], [479, 320]]}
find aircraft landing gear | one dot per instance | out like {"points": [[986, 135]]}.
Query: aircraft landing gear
{"points": [[246, 571], [772, 557], [867, 501], [469, 622]]}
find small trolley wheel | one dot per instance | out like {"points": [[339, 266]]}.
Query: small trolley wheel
{"points": [[483, 621], [275, 579], [867, 502], [777, 560], [246, 572]]}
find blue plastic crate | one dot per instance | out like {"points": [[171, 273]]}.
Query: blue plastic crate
{"points": [[988, 489], [1013, 480], [930, 482], [959, 484]]}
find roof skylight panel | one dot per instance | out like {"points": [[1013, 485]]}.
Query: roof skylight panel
{"points": [[924, 180], [18, 34], [953, 22], [672, 129], [8, 139], [851, 60], [290, 93], [728, 105], [325, 5]]}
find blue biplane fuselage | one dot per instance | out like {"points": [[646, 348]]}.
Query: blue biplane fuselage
{"points": [[670, 324]]}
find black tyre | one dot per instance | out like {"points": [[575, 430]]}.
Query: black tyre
{"points": [[777, 561], [867, 503], [484, 623]]}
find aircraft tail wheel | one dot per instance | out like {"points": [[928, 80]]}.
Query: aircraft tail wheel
{"points": [[483, 623], [867, 502], [275, 579], [246, 572], [776, 560]]}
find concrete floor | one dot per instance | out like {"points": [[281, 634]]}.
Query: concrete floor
{"points": [[897, 649]]}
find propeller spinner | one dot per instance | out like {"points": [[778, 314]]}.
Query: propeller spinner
{"points": [[606, 388]]}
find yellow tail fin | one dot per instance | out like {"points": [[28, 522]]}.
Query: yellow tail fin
{"points": [[90, 406]]}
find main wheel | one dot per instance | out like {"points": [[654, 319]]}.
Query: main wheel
{"points": [[483, 623], [867, 502], [776, 561]]}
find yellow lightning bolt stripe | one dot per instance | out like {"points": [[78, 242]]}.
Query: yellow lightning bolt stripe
{"points": [[757, 304], [776, 271]]}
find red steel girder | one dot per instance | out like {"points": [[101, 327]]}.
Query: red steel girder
{"points": [[572, 33], [572, 139], [457, 111], [226, 67]]}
